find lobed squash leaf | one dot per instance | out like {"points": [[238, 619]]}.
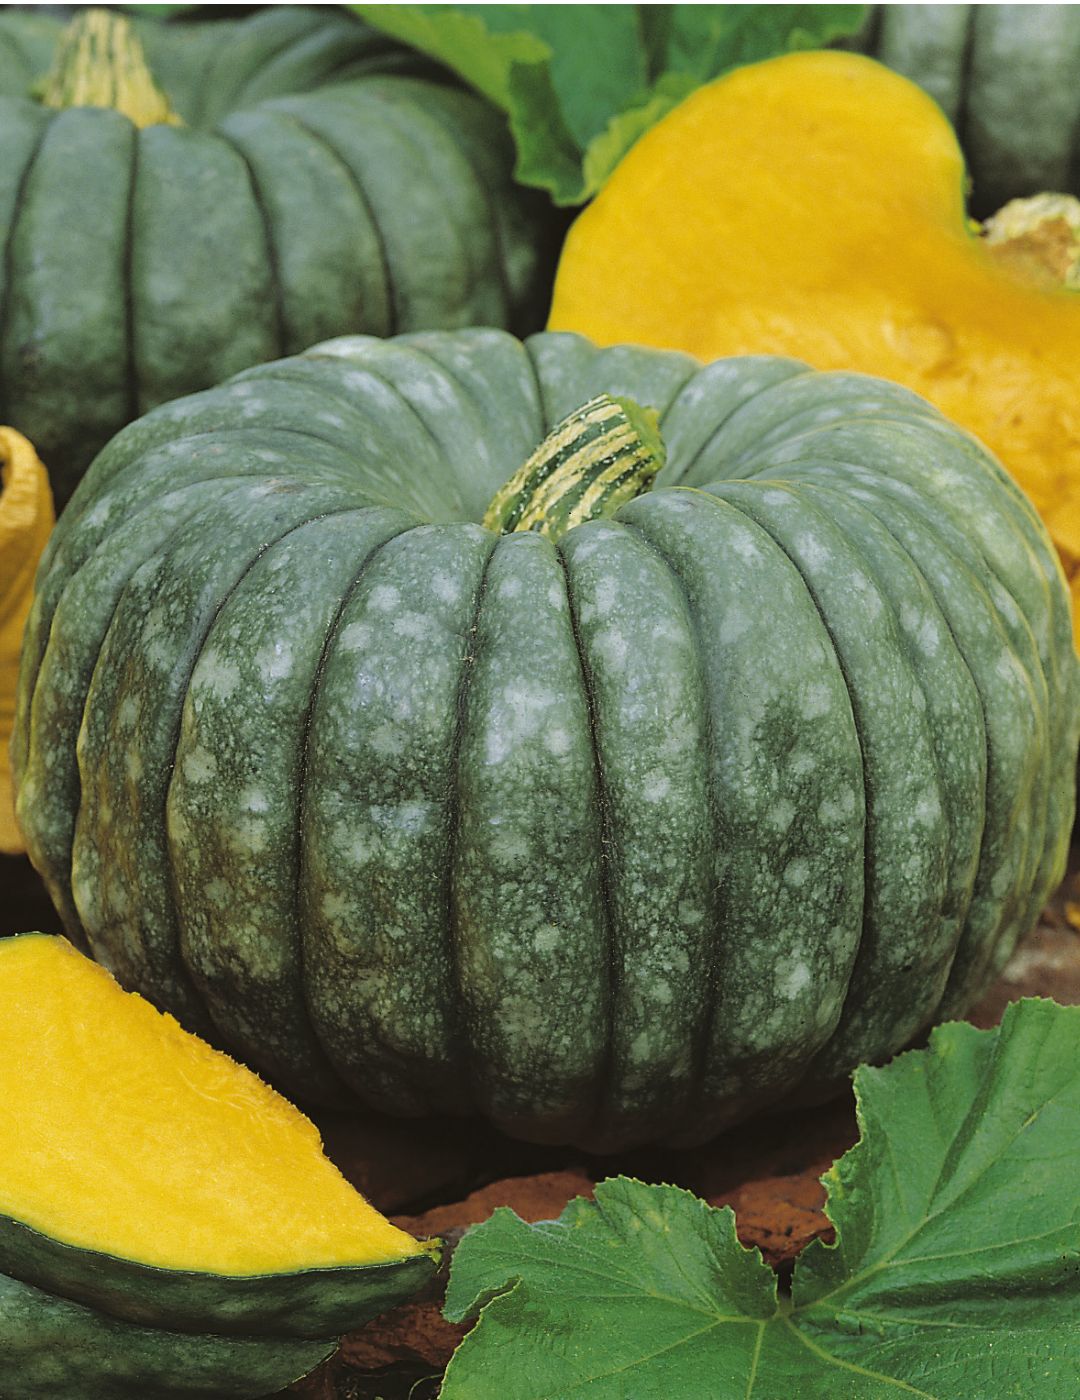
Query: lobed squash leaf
{"points": [[581, 83], [955, 1274]]}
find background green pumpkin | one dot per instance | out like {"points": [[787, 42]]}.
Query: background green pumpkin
{"points": [[613, 839], [325, 180], [1007, 77]]}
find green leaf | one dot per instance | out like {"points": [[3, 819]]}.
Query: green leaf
{"points": [[581, 83], [955, 1274]]}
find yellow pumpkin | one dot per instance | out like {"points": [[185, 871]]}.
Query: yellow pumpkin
{"points": [[26, 518], [813, 206]]}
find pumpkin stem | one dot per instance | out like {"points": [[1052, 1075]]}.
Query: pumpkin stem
{"points": [[1038, 239], [100, 63], [599, 457]]}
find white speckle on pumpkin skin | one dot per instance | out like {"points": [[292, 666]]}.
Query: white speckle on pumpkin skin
{"points": [[356, 637], [612, 647], [656, 786], [816, 701], [411, 624], [386, 741], [557, 741], [384, 597], [546, 938], [735, 623], [254, 800], [445, 587], [274, 662], [781, 814], [793, 981], [217, 674], [199, 765], [796, 872]]}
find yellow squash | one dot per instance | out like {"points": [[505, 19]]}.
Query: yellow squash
{"points": [[813, 206], [26, 517]]}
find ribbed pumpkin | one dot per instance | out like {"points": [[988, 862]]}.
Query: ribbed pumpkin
{"points": [[320, 179], [169, 1226], [1007, 76], [611, 829]]}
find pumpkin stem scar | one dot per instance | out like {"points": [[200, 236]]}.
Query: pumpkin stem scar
{"points": [[100, 63], [1038, 239], [595, 460]]}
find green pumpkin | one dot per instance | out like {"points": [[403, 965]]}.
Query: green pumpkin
{"points": [[320, 179], [169, 1225], [1008, 78], [614, 832]]}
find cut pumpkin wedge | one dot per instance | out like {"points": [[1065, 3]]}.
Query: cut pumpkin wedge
{"points": [[148, 1176]]}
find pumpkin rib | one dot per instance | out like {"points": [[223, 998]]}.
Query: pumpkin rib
{"points": [[1025, 783], [426, 116], [492, 360], [48, 788], [606, 1069], [956, 792], [728, 424], [453, 828], [991, 567], [644, 823], [272, 261], [7, 256], [864, 507], [379, 814], [333, 389], [747, 1041], [263, 549], [471, 155], [257, 1009], [306, 960], [525, 874], [682, 456], [100, 864], [461, 227], [477, 412], [226, 69], [703, 1039], [891, 909], [67, 290], [130, 472], [389, 278], [436, 201], [321, 115], [265, 80], [195, 217]]}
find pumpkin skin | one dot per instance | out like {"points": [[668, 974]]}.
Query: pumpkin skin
{"points": [[325, 180], [215, 1251], [610, 840], [1005, 76]]}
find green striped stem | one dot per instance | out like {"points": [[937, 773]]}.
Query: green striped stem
{"points": [[100, 63], [598, 458]]}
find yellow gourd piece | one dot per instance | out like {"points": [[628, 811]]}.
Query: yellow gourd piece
{"points": [[26, 518], [813, 206], [125, 1135]]}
